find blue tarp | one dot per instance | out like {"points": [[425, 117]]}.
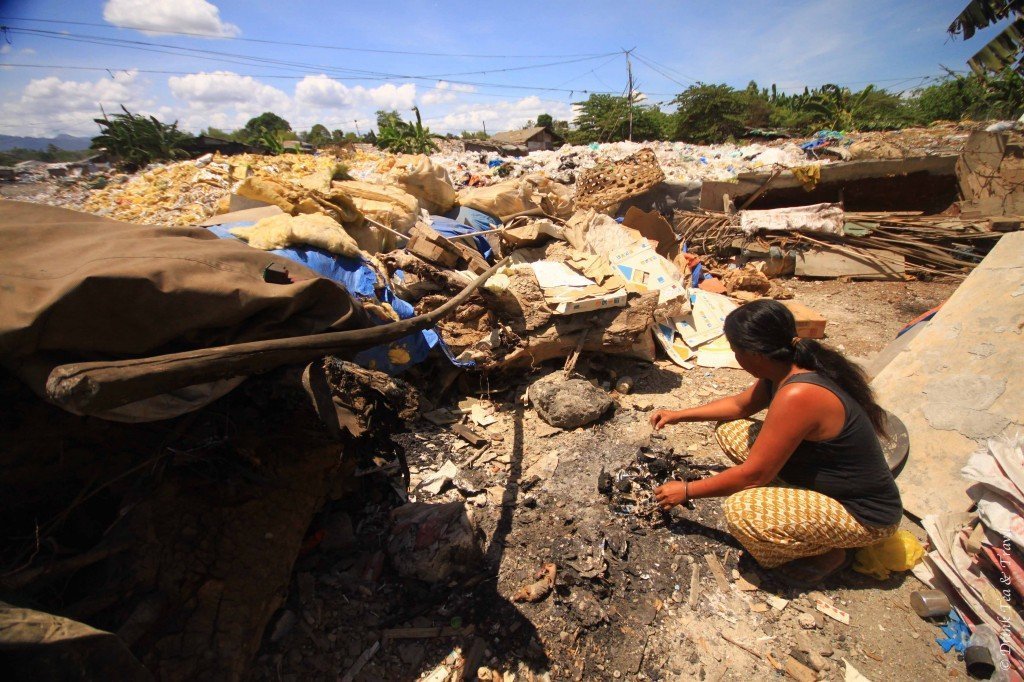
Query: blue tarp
{"points": [[462, 220], [360, 280]]}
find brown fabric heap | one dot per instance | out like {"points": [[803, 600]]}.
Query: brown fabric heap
{"points": [[79, 287]]}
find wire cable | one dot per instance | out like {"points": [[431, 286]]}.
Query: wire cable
{"points": [[310, 45]]}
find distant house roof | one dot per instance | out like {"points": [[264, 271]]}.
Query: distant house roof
{"points": [[522, 136], [298, 145], [202, 144]]}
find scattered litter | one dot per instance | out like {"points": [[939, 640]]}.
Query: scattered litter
{"points": [[718, 572], [852, 674], [540, 588], [832, 612], [434, 482], [469, 435], [798, 671], [630, 490]]}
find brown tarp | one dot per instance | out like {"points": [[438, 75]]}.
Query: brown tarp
{"points": [[93, 287], [77, 287], [40, 646]]}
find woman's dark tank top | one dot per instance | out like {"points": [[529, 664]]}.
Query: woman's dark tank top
{"points": [[849, 468]]}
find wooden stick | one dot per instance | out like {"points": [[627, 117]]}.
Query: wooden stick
{"points": [[387, 229], [363, 659], [762, 189], [87, 387], [427, 632], [741, 645]]}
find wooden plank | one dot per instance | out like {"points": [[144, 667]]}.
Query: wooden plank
{"points": [[469, 435], [829, 262], [694, 586], [718, 571], [427, 632]]}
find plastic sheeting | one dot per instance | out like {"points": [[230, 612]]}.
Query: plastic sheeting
{"points": [[361, 281]]}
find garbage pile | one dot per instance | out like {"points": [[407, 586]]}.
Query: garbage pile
{"points": [[976, 558], [570, 278], [567, 280]]}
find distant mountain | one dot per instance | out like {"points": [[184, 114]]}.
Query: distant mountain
{"points": [[62, 141]]}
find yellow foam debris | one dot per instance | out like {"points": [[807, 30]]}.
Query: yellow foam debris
{"points": [[315, 229]]}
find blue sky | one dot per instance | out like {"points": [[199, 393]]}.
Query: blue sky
{"points": [[498, 64]]}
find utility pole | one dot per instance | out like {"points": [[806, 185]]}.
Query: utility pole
{"points": [[358, 134], [629, 101], [485, 128]]}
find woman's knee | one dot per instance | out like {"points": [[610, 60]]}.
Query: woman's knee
{"points": [[739, 507]]}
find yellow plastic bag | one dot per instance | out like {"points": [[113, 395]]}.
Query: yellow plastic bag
{"points": [[899, 552]]}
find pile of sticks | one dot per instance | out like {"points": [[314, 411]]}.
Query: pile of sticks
{"points": [[931, 244]]}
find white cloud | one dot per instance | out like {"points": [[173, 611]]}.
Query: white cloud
{"points": [[5, 48], [498, 116], [445, 92], [207, 90], [325, 92], [26, 50], [51, 105], [160, 16], [227, 100]]}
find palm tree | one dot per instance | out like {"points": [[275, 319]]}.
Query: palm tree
{"points": [[836, 106]]}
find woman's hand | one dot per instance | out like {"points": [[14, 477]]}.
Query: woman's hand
{"points": [[670, 494], [662, 418]]}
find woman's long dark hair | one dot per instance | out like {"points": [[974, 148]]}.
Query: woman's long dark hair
{"points": [[768, 328]]}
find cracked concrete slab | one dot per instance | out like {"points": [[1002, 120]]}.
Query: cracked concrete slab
{"points": [[960, 380]]}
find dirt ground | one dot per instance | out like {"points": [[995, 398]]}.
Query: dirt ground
{"points": [[625, 604]]}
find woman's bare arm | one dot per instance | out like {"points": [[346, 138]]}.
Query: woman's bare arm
{"points": [[750, 401], [793, 415]]}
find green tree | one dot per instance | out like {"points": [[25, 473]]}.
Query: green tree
{"points": [[757, 106], [709, 113], [605, 118], [387, 119], [318, 135], [337, 136], [1002, 95], [1005, 50], [545, 120], [135, 141], [837, 107], [404, 137], [267, 122]]}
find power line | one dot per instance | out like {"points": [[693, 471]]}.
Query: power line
{"points": [[592, 71], [670, 70], [310, 45], [273, 63], [524, 68], [654, 68]]}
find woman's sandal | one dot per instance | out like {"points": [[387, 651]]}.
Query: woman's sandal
{"points": [[808, 577]]}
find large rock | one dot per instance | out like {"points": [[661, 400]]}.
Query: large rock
{"points": [[568, 403]]}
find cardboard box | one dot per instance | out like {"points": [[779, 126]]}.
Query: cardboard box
{"points": [[645, 270], [809, 324], [431, 252], [585, 305]]}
